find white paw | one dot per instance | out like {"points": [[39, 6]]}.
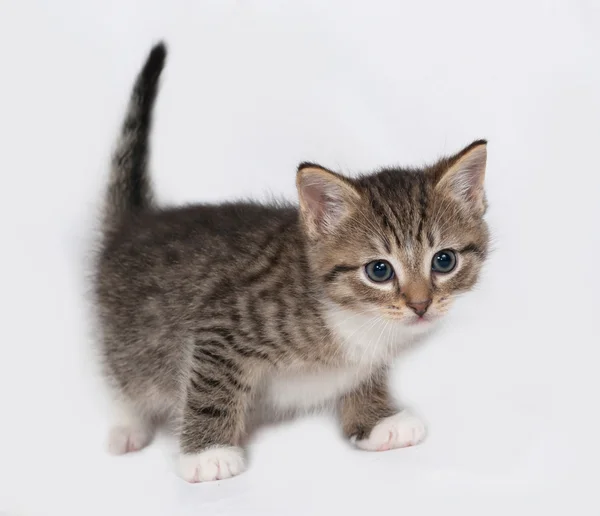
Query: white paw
{"points": [[212, 464], [125, 439], [397, 431]]}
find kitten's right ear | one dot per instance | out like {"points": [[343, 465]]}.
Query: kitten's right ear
{"points": [[326, 198], [463, 180]]}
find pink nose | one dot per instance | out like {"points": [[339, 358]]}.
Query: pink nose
{"points": [[419, 307]]}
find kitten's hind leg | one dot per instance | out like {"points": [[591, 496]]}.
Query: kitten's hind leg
{"points": [[130, 430]]}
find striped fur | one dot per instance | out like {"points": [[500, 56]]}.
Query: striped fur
{"points": [[129, 187], [211, 313]]}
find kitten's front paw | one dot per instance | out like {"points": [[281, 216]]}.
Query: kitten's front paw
{"points": [[212, 464], [397, 431]]}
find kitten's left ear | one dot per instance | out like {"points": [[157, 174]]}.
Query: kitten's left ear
{"points": [[326, 198], [463, 180]]}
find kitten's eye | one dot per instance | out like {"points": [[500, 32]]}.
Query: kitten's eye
{"points": [[379, 271], [444, 261]]}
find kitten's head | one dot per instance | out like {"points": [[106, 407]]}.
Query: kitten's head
{"points": [[399, 243]]}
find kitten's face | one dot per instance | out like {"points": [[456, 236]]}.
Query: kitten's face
{"points": [[398, 244]]}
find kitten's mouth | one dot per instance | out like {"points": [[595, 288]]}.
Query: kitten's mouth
{"points": [[423, 320], [416, 321]]}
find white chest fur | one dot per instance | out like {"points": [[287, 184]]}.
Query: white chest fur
{"points": [[366, 341], [304, 390]]}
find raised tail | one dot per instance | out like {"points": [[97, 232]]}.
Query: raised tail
{"points": [[129, 189]]}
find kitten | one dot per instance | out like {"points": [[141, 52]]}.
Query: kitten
{"points": [[210, 313]]}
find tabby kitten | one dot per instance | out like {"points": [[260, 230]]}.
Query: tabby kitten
{"points": [[210, 313]]}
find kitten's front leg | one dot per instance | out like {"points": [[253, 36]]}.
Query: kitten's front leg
{"points": [[373, 422], [214, 417]]}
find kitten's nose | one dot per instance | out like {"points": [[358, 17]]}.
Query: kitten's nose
{"points": [[419, 307]]}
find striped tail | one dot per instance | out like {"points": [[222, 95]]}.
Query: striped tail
{"points": [[129, 189]]}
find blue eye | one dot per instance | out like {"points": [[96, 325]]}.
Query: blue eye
{"points": [[379, 271], [444, 261]]}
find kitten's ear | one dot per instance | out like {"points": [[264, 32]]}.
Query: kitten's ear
{"points": [[326, 198], [463, 179]]}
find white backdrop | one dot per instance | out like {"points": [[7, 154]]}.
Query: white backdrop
{"points": [[509, 388]]}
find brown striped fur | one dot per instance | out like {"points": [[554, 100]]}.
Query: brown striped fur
{"points": [[209, 311]]}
